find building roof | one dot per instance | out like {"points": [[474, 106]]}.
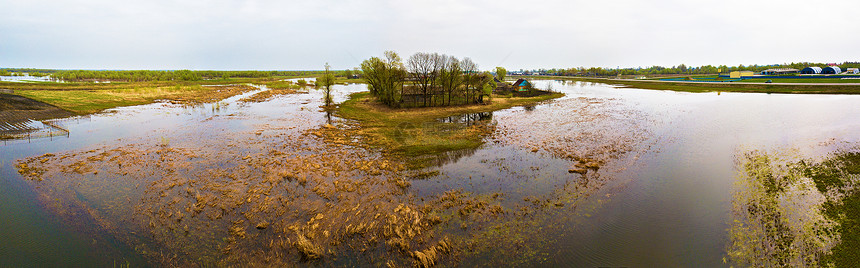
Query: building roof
{"points": [[517, 83], [814, 69], [521, 83], [781, 70], [831, 70]]}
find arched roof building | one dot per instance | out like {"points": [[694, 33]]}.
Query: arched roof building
{"points": [[831, 70], [811, 70]]}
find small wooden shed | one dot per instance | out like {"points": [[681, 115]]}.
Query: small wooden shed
{"points": [[522, 85]]}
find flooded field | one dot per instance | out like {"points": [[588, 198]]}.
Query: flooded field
{"points": [[601, 177], [26, 78]]}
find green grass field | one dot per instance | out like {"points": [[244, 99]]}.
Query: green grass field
{"points": [[802, 80], [727, 86], [90, 97], [92, 101]]}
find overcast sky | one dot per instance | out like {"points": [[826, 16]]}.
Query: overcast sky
{"points": [[301, 35]]}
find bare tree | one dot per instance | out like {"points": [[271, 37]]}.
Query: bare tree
{"points": [[470, 78], [424, 68], [450, 76], [438, 64]]}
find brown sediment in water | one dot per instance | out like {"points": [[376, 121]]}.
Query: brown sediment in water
{"points": [[177, 197], [597, 131]]}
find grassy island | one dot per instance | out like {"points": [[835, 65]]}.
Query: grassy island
{"points": [[419, 131]]}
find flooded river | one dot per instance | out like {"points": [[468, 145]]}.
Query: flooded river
{"points": [[604, 176]]}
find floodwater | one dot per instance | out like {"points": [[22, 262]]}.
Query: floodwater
{"points": [[26, 78], [604, 176]]}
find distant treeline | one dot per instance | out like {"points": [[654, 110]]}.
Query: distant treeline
{"points": [[680, 69], [178, 75]]}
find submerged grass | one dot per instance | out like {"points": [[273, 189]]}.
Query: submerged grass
{"points": [[797, 213], [839, 176], [417, 131]]}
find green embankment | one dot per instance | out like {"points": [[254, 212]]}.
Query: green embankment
{"points": [[802, 80], [728, 87]]}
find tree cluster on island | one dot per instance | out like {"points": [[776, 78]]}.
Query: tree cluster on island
{"points": [[426, 79]]}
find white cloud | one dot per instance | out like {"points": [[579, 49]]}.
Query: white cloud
{"points": [[260, 34]]}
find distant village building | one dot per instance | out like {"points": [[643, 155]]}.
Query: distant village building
{"points": [[780, 71], [811, 70], [831, 70], [739, 74]]}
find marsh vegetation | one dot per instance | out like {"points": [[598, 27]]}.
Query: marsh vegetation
{"points": [[796, 212]]}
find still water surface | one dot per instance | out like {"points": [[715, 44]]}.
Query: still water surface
{"points": [[662, 196]]}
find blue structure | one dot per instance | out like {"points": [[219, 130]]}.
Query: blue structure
{"points": [[811, 70], [832, 70]]}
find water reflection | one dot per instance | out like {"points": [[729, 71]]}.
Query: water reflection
{"points": [[468, 119], [449, 157], [32, 129]]}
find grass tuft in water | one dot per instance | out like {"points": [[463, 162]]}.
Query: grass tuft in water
{"points": [[796, 213]]}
